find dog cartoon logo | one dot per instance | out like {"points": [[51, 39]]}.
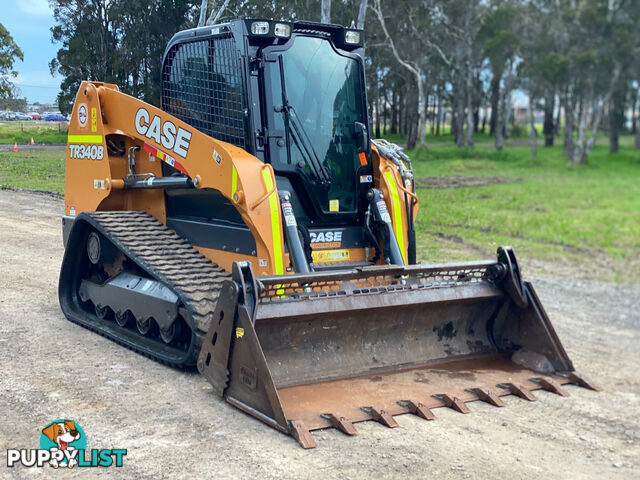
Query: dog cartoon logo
{"points": [[63, 443], [64, 436]]}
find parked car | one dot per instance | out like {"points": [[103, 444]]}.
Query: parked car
{"points": [[34, 115], [23, 116], [7, 116], [54, 117]]}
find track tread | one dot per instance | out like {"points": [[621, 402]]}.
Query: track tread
{"points": [[170, 259]]}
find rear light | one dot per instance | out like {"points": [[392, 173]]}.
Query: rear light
{"points": [[282, 30], [260, 28], [352, 37]]}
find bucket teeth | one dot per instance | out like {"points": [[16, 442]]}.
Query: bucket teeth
{"points": [[301, 434], [381, 416], [488, 396], [579, 379], [341, 423], [519, 390], [453, 402], [549, 384], [417, 408]]}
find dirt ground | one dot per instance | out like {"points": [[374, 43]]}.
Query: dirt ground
{"points": [[173, 426], [462, 181]]}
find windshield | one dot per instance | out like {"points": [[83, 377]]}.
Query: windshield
{"points": [[324, 99]]}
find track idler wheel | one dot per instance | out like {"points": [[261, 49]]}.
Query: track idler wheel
{"points": [[124, 318], [170, 334], [144, 325], [102, 312]]}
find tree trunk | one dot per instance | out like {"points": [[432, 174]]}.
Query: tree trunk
{"points": [[412, 126], [637, 143], [556, 130], [568, 107], [616, 121], [508, 113], [578, 157], [470, 129], [203, 12], [460, 121], [216, 14], [422, 112], [362, 13], [394, 112], [533, 134], [453, 122], [385, 114], [634, 102], [484, 121], [469, 101], [499, 125], [377, 116], [495, 97], [548, 127], [468, 70], [504, 107], [438, 115], [325, 11]]}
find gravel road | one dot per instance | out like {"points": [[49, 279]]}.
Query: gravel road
{"points": [[173, 426]]}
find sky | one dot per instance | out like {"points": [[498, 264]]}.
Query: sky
{"points": [[29, 22]]}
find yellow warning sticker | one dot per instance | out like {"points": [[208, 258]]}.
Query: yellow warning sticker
{"points": [[94, 119], [328, 256], [239, 332], [334, 205]]}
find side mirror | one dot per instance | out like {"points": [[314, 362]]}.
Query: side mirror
{"points": [[362, 138]]}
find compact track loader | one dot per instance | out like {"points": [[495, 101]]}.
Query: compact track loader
{"points": [[250, 227]]}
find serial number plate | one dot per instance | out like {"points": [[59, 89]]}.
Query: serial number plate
{"points": [[328, 256]]}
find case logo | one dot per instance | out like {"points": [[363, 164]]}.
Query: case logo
{"points": [[163, 133]]}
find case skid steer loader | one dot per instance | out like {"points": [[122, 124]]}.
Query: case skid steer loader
{"points": [[250, 227]]}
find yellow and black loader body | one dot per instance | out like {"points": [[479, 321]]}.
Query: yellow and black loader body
{"points": [[250, 226]]}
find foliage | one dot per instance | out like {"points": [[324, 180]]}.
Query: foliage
{"points": [[575, 58], [14, 104], [9, 52], [116, 41], [549, 210]]}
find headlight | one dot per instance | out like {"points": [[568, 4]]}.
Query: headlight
{"points": [[282, 30], [352, 37], [260, 28]]}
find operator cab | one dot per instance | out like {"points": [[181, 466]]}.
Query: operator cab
{"points": [[293, 95]]}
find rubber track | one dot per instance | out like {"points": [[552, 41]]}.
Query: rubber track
{"points": [[168, 258]]}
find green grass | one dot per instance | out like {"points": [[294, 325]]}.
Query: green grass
{"points": [[36, 170], [554, 210], [584, 215], [42, 132], [518, 134]]}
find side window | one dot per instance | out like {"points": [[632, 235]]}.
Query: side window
{"points": [[202, 85]]}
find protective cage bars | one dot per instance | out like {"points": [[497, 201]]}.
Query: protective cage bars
{"points": [[202, 85]]}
